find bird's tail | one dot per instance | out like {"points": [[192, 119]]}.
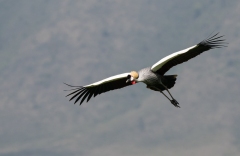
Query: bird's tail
{"points": [[169, 80]]}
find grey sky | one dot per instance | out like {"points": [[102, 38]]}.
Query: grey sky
{"points": [[45, 43]]}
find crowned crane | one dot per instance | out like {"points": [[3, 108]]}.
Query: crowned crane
{"points": [[152, 76]]}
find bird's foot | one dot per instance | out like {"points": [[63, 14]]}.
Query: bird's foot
{"points": [[175, 103]]}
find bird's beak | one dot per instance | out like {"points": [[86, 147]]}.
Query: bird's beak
{"points": [[132, 80], [129, 79]]}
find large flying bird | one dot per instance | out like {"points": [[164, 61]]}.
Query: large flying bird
{"points": [[152, 76]]}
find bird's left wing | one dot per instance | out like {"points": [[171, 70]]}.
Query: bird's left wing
{"points": [[111, 83], [162, 66]]}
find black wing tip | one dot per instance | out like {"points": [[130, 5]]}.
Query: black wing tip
{"points": [[215, 41], [71, 85], [78, 92]]}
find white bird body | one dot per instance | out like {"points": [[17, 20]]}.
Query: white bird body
{"points": [[153, 76]]}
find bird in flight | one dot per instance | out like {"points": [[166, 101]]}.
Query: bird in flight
{"points": [[154, 77]]}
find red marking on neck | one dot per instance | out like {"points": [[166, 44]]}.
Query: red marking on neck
{"points": [[133, 82]]}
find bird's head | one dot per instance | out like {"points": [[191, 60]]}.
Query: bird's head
{"points": [[132, 77]]}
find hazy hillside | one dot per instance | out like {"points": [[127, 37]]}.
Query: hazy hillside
{"points": [[48, 42]]}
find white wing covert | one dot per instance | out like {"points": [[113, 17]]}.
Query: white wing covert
{"points": [[162, 66], [111, 83]]}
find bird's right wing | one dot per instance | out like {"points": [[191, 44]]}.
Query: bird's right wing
{"points": [[111, 83], [162, 66]]}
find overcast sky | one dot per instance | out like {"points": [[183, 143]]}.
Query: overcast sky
{"points": [[48, 42]]}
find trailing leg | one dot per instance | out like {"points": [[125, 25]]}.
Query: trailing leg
{"points": [[173, 101]]}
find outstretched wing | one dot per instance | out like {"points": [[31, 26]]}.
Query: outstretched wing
{"points": [[94, 89], [162, 66]]}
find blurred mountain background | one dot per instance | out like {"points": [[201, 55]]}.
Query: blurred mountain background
{"points": [[47, 42]]}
